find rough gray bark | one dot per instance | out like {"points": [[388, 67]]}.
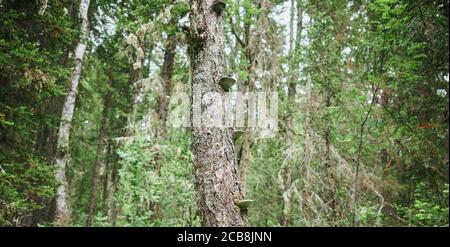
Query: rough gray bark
{"points": [[98, 161], [215, 165], [62, 147]]}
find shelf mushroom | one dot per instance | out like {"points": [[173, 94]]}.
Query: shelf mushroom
{"points": [[226, 83], [237, 133], [218, 6], [244, 204]]}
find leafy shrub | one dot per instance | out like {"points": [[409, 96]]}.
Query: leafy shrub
{"points": [[426, 211]]}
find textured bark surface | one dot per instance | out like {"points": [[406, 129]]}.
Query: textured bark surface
{"points": [[62, 147], [215, 165]]}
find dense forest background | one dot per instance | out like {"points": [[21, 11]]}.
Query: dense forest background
{"points": [[86, 133]]}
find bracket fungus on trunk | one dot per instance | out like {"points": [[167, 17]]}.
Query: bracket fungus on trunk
{"points": [[244, 204], [218, 6], [226, 83], [237, 133]]}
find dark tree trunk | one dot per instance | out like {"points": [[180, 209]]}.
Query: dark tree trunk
{"points": [[98, 161], [166, 75], [330, 165], [294, 53]]}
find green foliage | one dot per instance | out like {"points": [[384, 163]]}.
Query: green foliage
{"points": [[24, 189], [263, 184], [155, 192], [370, 215], [139, 186], [426, 209], [379, 99], [33, 74]]}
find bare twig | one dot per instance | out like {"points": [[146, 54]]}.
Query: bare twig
{"points": [[358, 159]]}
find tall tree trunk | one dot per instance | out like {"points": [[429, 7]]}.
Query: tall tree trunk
{"points": [[308, 105], [163, 103], [161, 109], [293, 71], [106, 175], [330, 164], [136, 77], [215, 164], [62, 147], [294, 52], [98, 160], [252, 42], [244, 159], [307, 149], [111, 181], [166, 75]]}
